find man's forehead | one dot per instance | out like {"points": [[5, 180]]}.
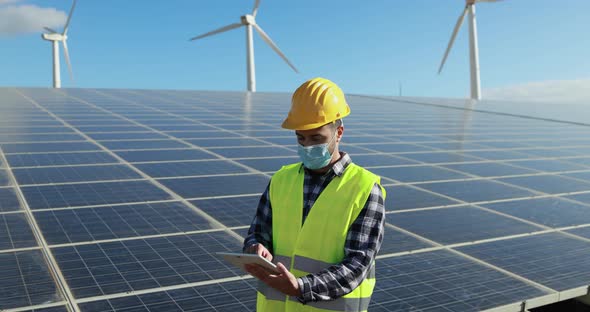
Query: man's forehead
{"points": [[321, 130]]}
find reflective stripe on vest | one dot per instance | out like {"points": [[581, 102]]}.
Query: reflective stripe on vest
{"points": [[340, 304]]}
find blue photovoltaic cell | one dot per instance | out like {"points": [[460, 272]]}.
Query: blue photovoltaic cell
{"points": [[353, 150], [4, 178], [231, 211], [489, 169], [498, 154], [15, 231], [73, 195], [554, 260], [395, 147], [459, 224], [187, 127], [503, 144], [105, 122], [476, 191], [581, 160], [439, 157], [242, 232], [362, 139], [21, 138], [229, 297], [443, 281], [380, 160], [452, 146], [227, 142], [269, 164], [217, 186], [401, 197], [418, 174], [209, 134], [179, 169], [110, 222], [552, 184], [538, 153], [395, 241], [164, 155], [247, 152], [547, 165], [48, 147], [287, 141], [61, 159], [584, 198], [74, 174], [144, 145], [25, 280], [37, 130], [118, 267], [8, 200], [552, 212], [579, 175], [583, 232], [111, 128], [126, 136]]}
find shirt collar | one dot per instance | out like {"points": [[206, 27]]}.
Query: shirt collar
{"points": [[338, 167]]}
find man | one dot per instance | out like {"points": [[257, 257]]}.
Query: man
{"points": [[320, 220]]}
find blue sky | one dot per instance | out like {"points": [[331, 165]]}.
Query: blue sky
{"points": [[366, 47]]}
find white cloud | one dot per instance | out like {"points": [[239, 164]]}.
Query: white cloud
{"points": [[25, 18], [557, 91], [3, 2]]}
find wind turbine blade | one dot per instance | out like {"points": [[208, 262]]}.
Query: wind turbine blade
{"points": [[220, 30], [455, 31], [67, 55], [269, 41], [255, 10], [69, 18], [50, 30]]}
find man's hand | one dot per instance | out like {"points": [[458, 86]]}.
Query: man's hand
{"points": [[260, 250], [284, 282]]}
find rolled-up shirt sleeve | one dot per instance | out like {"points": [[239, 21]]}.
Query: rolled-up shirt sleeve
{"points": [[260, 231]]}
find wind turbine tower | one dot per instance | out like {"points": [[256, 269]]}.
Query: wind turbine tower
{"points": [[473, 48], [55, 38]]}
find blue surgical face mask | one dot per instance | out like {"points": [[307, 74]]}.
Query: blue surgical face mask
{"points": [[315, 156]]}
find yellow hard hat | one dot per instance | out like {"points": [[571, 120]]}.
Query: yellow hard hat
{"points": [[315, 103]]}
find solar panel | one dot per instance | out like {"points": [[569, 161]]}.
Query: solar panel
{"points": [[132, 192]]}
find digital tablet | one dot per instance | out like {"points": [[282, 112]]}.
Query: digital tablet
{"points": [[240, 259]]}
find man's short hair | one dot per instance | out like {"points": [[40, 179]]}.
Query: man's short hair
{"points": [[336, 123]]}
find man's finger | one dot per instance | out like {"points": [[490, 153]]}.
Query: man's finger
{"points": [[282, 268]]}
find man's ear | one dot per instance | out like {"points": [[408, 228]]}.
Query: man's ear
{"points": [[339, 133]]}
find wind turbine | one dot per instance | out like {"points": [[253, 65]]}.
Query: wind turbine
{"points": [[55, 38], [473, 49], [249, 20]]}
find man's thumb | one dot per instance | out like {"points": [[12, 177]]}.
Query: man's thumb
{"points": [[282, 268]]}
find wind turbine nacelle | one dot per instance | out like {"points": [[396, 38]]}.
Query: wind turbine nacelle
{"points": [[54, 37], [248, 19]]}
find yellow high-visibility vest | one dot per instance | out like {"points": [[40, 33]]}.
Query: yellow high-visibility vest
{"points": [[319, 243]]}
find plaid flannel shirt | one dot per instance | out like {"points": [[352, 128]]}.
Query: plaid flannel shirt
{"points": [[363, 240]]}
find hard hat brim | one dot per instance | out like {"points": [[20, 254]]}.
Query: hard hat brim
{"points": [[288, 124]]}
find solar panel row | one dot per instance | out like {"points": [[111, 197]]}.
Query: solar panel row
{"points": [[134, 192]]}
